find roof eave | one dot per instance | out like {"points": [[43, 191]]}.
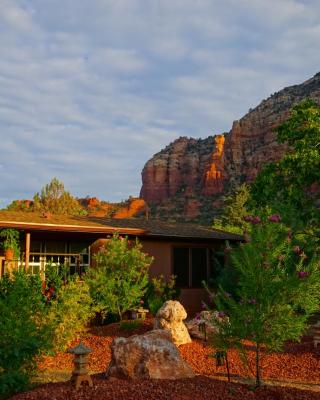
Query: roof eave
{"points": [[70, 228]]}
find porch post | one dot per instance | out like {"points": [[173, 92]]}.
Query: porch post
{"points": [[27, 252]]}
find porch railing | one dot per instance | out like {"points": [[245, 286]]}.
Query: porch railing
{"points": [[39, 260]]}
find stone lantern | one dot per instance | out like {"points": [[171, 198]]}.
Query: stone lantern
{"points": [[80, 373]]}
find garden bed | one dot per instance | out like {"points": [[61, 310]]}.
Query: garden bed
{"points": [[298, 365]]}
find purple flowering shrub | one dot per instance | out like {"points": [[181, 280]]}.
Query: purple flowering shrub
{"points": [[277, 289]]}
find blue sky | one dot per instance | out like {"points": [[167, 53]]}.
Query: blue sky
{"points": [[91, 89]]}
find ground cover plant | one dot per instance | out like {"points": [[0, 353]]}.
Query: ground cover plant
{"points": [[120, 278]]}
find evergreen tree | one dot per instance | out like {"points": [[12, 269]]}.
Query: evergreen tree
{"points": [[278, 288], [234, 210], [55, 199]]}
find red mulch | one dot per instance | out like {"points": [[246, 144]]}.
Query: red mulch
{"points": [[299, 363]]}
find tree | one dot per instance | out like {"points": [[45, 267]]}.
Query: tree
{"points": [[234, 211], [55, 199], [278, 288], [120, 278], [291, 187]]}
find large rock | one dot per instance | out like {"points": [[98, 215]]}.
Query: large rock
{"points": [[170, 317], [152, 355]]}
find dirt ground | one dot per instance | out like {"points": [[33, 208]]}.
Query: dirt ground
{"points": [[293, 374]]}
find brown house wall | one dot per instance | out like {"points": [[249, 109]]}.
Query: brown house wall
{"points": [[162, 264]]}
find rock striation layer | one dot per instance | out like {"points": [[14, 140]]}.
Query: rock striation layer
{"points": [[191, 171]]}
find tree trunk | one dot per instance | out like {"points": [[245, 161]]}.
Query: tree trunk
{"points": [[258, 380], [227, 364]]}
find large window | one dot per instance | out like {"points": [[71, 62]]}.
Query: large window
{"points": [[193, 265]]}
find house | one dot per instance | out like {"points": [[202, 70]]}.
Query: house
{"points": [[188, 251]]}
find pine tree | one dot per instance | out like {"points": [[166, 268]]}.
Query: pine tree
{"points": [[278, 288]]}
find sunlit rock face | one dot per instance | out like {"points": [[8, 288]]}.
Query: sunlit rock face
{"points": [[190, 171]]}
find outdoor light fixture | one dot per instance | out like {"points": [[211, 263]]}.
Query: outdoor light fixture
{"points": [[220, 358]]}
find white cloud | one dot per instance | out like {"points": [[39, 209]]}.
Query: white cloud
{"points": [[91, 89]]}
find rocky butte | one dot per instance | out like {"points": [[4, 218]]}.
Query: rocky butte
{"points": [[188, 179]]}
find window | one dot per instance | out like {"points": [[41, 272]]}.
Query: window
{"points": [[192, 265]]}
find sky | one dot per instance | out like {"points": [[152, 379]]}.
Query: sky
{"points": [[91, 89]]}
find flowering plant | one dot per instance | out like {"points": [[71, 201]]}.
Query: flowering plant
{"points": [[277, 288]]}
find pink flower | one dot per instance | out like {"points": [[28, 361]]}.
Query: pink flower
{"points": [[221, 314], [141, 302], [256, 220], [303, 274], [252, 219], [274, 218]]}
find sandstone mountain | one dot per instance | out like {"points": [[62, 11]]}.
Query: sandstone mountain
{"points": [[188, 179]]}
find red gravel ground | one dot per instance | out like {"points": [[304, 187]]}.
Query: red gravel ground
{"points": [[299, 364]]}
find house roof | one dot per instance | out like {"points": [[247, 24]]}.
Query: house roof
{"points": [[158, 228], [100, 225]]}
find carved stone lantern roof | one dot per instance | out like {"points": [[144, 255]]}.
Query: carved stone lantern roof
{"points": [[81, 349]]}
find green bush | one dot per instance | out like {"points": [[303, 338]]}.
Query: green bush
{"points": [[69, 312], [119, 280], [24, 333], [159, 291]]}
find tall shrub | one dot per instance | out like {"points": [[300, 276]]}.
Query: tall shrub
{"points": [[119, 280], [23, 333], [69, 312], [278, 288]]}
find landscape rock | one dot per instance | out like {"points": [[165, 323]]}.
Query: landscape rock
{"points": [[151, 355], [170, 317]]}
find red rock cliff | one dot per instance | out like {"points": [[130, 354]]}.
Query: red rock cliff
{"points": [[206, 168]]}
